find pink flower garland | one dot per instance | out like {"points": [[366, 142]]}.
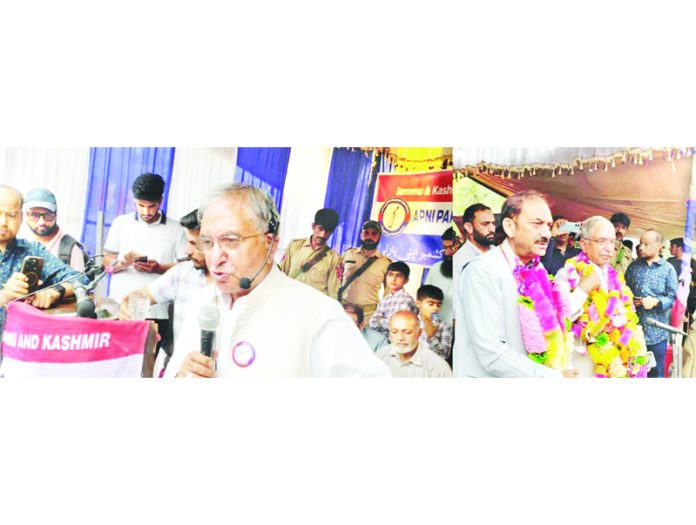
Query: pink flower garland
{"points": [[543, 309]]}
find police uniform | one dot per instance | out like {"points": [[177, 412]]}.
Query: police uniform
{"points": [[623, 257], [321, 275], [364, 291]]}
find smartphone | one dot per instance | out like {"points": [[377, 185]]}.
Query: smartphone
{"points": [[141, 259], [31, 267], [570, 227]]}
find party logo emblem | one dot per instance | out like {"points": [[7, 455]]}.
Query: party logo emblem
{"points": [[394, 216]]}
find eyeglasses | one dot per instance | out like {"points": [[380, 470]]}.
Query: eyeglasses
{"points": [[604, 242], [35, 216], [227, 243]]}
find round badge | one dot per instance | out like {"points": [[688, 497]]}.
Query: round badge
{"points": [[243, 354]]}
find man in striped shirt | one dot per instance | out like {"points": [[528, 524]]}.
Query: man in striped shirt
{"points": [[177, 286]]}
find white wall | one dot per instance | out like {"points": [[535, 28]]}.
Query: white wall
{"points": [[64, 171], [196, 172]]}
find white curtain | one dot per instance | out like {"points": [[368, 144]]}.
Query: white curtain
{"points": [[196, 172], [303, 193], [518, 156], [64, 171]]}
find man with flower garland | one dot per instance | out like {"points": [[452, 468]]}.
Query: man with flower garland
{"points": [[517, 328], [607, 339]]}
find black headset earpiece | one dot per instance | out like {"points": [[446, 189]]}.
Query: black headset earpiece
{"points": [[273, 223]]}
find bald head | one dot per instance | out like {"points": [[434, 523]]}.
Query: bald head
{"points": [[651, 245], [11, 202], [10, 192], [404, 331], [405, 316]]}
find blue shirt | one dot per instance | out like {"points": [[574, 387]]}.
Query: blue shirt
{"points": [[54, 270], [658, 280]]}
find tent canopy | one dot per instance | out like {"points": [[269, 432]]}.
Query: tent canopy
{"points": [[653, 195]]}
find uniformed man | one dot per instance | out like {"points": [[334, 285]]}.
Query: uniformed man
{"points": [[311, 261], [362, 271], [622, 255]]}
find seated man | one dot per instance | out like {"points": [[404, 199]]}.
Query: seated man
{"points": [[375, 339], [15, 284], [436, 332], [397, 298], [407, 355]]}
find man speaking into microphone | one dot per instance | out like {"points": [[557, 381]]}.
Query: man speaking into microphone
{"points": [[269, 324]]}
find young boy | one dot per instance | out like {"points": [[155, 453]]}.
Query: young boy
{"points": [[397, 298], [436, 332]]}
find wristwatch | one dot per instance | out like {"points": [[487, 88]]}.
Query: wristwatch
{"points": [[60, 289]]}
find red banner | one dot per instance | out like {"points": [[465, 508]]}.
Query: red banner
{"points": [[35, 343]]}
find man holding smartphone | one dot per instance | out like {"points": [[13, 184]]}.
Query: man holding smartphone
{"points": [[13, 252], [142, 245], [560, 250]]}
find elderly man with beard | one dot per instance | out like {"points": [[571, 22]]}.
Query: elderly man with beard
{"points": [[440, 275], [489, 339], [588, 358], [407, 355], [362, 271], [653, 282], [311, 261], [268, 325]]}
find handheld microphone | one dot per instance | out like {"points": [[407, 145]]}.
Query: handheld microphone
{"points": [[664, 326], [208, 320]]}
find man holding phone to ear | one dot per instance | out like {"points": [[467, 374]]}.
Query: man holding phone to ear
{"points": [[13, 252]]}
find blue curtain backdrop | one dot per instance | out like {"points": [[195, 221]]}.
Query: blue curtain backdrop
{"points": [[348, 192], [264, 168], [111, 174]]}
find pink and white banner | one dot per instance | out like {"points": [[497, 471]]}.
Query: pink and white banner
{"points": [[35, 344]]}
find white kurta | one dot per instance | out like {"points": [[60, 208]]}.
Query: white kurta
{"points": [[282, 328], [488, 340]]}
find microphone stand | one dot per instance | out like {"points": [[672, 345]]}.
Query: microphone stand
{"points": [[676, 340]]}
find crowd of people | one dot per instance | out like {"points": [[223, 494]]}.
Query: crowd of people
{"points": [[527, 295]]}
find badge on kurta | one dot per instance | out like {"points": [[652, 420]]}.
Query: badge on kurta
{"points": [[243, 354]]}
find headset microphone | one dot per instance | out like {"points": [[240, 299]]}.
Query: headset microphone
{"points": [[245, 283]]}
